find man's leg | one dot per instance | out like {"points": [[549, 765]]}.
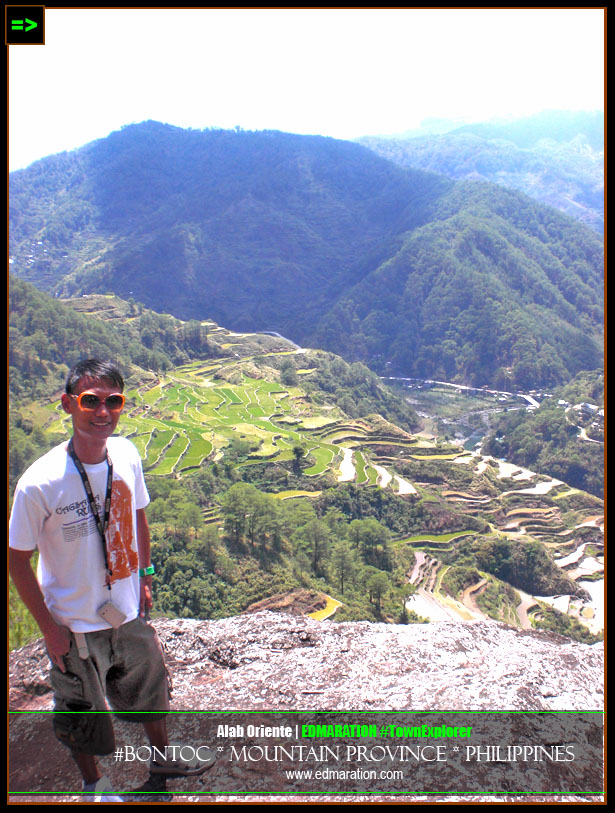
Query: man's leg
{"points": [[142, 686], [78, 692], [156, 731], [88, 767]]}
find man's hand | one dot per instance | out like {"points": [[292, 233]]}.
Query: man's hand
{"points": [[57, 638], [57, 641], [145, 600]]}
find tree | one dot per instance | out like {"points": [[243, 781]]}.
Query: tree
{"points": [[344, 563], [250, 514], [207, 547], [378, 585], [288, 375], [235, 508], [261, 521], [298, 453], [189, 516], [156, 510], [314, 540], [371, 538]]}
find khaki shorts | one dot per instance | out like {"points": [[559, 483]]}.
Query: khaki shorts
{"points": [[126, 666]]}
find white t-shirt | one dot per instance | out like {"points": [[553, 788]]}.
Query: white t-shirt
{"points": [[51, 512]]}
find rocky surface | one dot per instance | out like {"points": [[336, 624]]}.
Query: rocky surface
{"points": [[275, 661]]}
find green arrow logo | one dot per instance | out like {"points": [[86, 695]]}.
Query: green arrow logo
{"points": [[18, 25]]}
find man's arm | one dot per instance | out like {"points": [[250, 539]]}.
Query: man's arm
{"points": [[143, 546], [57, 638]]}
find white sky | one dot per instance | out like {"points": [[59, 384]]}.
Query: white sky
{"points": [[336, 72]]}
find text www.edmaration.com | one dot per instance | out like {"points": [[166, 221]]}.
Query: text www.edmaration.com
{"points": [[337, 773]]}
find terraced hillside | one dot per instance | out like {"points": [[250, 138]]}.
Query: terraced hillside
{"points": [[462, 507], [519, 506], [194, 414]]}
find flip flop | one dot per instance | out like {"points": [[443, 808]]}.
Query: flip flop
{"points": [[183, 767]]}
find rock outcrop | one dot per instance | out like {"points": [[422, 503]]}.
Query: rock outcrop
{"points": [[271, 661]]}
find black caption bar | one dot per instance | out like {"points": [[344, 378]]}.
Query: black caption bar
{"points": [[406, 753]]}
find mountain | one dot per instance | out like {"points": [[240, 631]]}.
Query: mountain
{"points": [[554, 125], [323, 241], [559, 126], [555, 157], [491, 291]]}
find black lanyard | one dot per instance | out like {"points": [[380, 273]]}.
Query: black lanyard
{"points": [[102, 525]]}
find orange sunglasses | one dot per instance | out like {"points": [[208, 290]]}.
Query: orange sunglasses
{"points": [[90, 402]]}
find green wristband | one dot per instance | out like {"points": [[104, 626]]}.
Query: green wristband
{"points": [[146, 571]]}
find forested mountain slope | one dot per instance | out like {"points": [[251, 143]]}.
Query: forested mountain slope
{"points": [[322, 240], [495, 289]]}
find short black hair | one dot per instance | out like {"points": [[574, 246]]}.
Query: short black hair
{"points": [[94, 368]]}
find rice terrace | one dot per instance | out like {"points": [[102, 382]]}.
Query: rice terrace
{"points": [[195, 415], [191, 415]]}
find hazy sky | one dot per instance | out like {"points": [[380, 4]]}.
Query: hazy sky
{"points": [[336, 72]]}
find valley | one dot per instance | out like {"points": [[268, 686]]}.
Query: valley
{"points": [[237, 409]]}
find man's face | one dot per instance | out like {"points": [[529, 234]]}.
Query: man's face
{"points": [[92, 424]]}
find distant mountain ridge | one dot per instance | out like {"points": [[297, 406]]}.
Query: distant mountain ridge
{"points": [[556, 157], [555, 125], [322, 240]]}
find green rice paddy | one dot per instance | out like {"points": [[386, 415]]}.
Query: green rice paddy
{"points": [[194, 413]]}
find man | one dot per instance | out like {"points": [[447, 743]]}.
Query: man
{"points": [[83, 506]]}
